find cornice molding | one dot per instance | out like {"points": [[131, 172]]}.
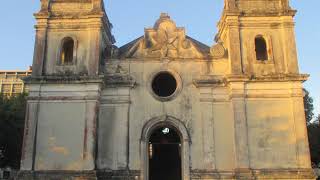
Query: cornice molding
{"points": [[57, 79], [214, 81]]}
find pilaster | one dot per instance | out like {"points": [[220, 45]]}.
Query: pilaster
{"points": [[40, 46], [234, 42], [114, 125], [30, 131], [302, 143], [289, 45], [95, 54], [237, 95], [206, 106]]}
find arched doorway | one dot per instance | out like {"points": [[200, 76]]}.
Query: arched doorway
{"points": [[150, 134], [164, 154]]}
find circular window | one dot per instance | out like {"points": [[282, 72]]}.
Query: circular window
{"points": [[164, 85]]}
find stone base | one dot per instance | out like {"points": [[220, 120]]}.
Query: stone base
{"points": [[78, 175], [118, 175], [241, 174], [204, 174], [301, 174], [247, 174], [57, 175]]}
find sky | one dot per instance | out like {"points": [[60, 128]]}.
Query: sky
{"points": [[130, 17]]}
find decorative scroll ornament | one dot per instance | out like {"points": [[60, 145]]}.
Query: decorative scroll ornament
{"points": [[218, 51], [165, 40]]}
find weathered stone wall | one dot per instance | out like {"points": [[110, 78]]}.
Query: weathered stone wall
{"points": [[258, 6], [84, 51], [254, 124], [277, 33], [272, 126], [60, 127]]}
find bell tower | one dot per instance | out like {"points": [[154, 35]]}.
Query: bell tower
{"points": [[72, 38], [260, 37], [263, 74]]}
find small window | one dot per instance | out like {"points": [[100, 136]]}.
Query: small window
{"points": [[261, 49], [67, 51], [6, 88], [11, 76], [17, 88], [3, 76]]}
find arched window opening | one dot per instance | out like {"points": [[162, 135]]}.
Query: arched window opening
{"points": [[261, 49], [67, 51]]}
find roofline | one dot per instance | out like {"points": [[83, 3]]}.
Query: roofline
{"points": [[15, 71]]}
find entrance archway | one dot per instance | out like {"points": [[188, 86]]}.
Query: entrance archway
{"points": [[164, 154], [179, 136]]}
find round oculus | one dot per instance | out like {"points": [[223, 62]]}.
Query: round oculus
{"points": [[164, 84]]}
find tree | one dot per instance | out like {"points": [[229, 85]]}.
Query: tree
{"points": [[12, 115], [314, 142], [308, 106], [313, 128]]}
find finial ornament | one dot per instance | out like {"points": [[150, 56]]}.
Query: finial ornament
{"points": [[285, 4], [218, 50], [97, 5], [230, 4], [164, 16], [45, 5]]}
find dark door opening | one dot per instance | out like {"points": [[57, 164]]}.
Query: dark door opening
{"points": [[164, 155]]}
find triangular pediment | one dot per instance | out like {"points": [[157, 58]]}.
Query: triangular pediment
{"points": [[165, 40]]}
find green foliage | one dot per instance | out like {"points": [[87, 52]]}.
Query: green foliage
{"points": [[313, 128], [12, 113], [308, 106], [314, 142]]}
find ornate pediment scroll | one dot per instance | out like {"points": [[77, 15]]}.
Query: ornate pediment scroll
{"points": [[165, 40], [218, 51]]}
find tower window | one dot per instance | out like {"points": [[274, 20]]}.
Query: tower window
{"points": [[261, 48], [67, 51]]}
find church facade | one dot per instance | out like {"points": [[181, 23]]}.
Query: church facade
{"points": [[165, 106]]}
